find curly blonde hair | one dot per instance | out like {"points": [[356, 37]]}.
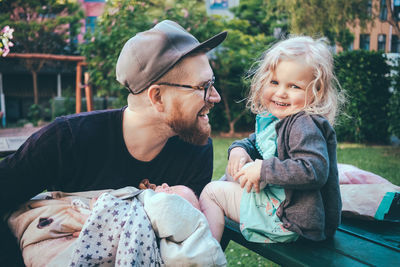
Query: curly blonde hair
{"points": [[316, 54]]}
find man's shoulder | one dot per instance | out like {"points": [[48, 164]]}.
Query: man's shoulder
{"points": [[92, 120], [92, 115]]}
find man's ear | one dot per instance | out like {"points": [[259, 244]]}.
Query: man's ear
{"points": [[154, 94]]}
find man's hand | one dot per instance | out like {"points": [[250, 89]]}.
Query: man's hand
{"points": [[237, 158], [250, 176]]}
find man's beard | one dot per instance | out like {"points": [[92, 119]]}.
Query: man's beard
{"points": [[189, 132]]}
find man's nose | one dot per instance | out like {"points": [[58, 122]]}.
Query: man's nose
{"points": [[214, 96]]}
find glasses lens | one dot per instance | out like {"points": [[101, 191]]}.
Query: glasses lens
{"points": [[208, 89]]}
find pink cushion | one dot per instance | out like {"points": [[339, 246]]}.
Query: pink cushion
{"points": [[349, 174]]}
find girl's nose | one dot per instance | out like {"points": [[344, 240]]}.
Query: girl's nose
{"points": [[281, 91]]}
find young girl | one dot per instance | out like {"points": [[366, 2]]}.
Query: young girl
{"points": [[292, 188]]}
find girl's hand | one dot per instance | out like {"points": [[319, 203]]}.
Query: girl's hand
{"points": [[237, 158], [250, 176]]}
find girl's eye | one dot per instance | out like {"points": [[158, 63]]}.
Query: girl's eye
{"points": [[295, 86], [274, 82]]}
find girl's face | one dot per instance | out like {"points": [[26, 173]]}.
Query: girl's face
{"points": [[286, 92]]}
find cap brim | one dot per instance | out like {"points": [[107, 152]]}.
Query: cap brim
{"points": [[210, 43]]}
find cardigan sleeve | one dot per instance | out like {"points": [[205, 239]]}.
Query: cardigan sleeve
{"points": [[248, 144], [303, 159]]}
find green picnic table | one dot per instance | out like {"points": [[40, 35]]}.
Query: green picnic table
{"points": [[356, 243]]}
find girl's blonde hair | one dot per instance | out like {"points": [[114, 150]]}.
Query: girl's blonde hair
{"points": [[315, 53]]}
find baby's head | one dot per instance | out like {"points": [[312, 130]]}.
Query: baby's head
{"points": [[295, 74], [180, 190]]}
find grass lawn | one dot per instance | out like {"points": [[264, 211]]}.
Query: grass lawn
{"points": [[381, 160]]}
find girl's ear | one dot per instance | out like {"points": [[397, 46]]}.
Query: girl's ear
{"points": [[154, 94]]}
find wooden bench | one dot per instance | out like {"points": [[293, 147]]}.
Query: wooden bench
{"points": [[356, 243]]}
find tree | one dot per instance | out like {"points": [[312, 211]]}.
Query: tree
{"points": [[232, 64], [263, 17], [328, 18], [122, 19], [41, 26]]}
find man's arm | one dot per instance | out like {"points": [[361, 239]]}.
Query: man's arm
{"points": [[24, 174]]}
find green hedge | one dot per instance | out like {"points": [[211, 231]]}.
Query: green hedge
{"points": [[365, 77], [394, 102]]}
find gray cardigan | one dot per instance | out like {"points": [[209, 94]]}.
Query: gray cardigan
{"points": [[306, 168]]}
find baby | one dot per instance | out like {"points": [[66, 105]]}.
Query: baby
{"points": [[53, 228]]}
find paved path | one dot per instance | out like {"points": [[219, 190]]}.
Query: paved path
{"points": [[12, 138]]}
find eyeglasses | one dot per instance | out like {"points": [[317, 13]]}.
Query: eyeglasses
{"points": [[207, 88]]}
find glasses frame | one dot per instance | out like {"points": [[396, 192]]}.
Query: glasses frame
{"points": [[209, 84]]}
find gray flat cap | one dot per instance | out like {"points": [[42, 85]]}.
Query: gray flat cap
{"points": [[148, 55]]}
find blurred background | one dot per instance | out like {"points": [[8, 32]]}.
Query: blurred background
{"points": [[363, 35]]}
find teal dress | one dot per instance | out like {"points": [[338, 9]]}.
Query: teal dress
{"points": [[258, 220]]}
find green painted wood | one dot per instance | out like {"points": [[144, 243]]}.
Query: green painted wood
{"points": [[357, 248]]}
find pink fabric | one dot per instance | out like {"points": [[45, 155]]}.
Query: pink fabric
{"points": [[349, 174]]}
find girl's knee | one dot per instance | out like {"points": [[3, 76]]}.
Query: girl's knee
{"points": [[210, 190]]}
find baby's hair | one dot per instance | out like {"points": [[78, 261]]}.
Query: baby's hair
{"points": [[314, 53]]}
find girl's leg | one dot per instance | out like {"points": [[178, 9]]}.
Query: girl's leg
{"points": [[217, 199]]}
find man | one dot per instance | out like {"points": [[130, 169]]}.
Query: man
{"points": [[162, 135]]}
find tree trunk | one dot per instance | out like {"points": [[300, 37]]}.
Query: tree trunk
{"points": [[35, 88], [231, 128], [228, 113], [34, 66]]}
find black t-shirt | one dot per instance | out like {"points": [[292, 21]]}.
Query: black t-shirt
{"points": [[87, 152]]}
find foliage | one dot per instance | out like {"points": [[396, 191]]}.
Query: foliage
{"points": [[394, 103], [327, 18], [6, 34], [38, 113], [364, 76], [122, 19], [42, 26], [232, 62], [263, 17]]}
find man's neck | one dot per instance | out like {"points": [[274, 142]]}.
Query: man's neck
{"points": [[144, 137]]}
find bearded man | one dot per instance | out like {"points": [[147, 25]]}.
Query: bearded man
{"points": [[162, 135]]}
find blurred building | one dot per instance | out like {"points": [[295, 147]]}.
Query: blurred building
{"points": [[380, 35], [93, 9], [221, 7]]}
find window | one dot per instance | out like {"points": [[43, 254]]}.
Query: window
{"points": [[369, 8], [90, 24], [218, 4], [383, 12], [381, 42], [396, 9], [395, 44], [364, 41]]}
